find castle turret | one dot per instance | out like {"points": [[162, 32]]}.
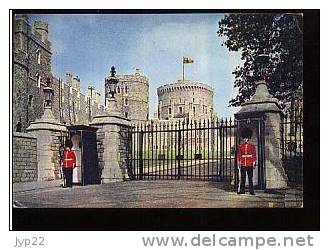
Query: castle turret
{"points": [[133, 95], [76, 83], [69, 78], [42, 28], [22, 22]]}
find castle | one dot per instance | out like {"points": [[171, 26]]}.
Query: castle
{"points": [[32, 69], [184, 128]]}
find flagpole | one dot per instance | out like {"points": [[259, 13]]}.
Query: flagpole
{"points": [[183, 69]]}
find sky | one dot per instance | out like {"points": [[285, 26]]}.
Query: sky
{"points": [[88, 45]]}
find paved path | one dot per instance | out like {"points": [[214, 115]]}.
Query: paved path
{"points": [[142, 194]]}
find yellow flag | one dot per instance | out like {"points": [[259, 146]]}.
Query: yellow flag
{"points": [[187, 60]]}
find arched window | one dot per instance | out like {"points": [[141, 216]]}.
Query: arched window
{"points": [[126, 114], [126, 101], [118, 90], [126, 89], [169, 111], [38, 80]]}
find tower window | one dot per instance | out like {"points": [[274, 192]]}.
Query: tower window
{"points": [[126, 101], [126, 114], [169, 111], [126, 89], [118, 90], [38, 80], [39, 56], [180, 110], [30, 102], [194, 110]]}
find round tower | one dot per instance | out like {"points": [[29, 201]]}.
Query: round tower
{"points": [[186, 99]]}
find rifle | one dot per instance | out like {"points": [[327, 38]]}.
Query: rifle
{"points": [[61, 154], [239, 179]]}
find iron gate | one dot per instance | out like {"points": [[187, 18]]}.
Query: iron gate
{"points": [[292, 143], [184, 150]]}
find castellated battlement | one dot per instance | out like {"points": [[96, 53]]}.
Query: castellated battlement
{"points": [[41, 26], [70, 105], [187, 85], [38, 33]]}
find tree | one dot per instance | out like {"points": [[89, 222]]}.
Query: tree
{"points": [[278, 35]]}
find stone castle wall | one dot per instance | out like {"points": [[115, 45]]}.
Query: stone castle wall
{"points": [[71, 106], [31, 68], [25, 166], [184, 99]]}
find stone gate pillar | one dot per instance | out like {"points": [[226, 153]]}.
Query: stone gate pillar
{"points": [[113, 146], [48, 132], [113, 136], [262, 104]]}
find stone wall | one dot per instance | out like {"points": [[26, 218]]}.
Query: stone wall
{"points": [[24, 158]]}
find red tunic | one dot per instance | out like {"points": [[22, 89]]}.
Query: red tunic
{"points": [[247, 155], [69, 159]]}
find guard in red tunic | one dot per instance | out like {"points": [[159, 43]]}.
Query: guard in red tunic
{"points": [[246, 163], [68, 163]]}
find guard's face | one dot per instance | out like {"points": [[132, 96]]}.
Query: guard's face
{"points": [[245, 140]]}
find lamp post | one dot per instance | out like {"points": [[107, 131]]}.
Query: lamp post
{"points": [[48, 95], [90, 88], [261, 63], [111, 84]]}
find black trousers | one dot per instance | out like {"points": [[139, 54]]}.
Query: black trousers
{"points": [[68, 176], [250, 172]]}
